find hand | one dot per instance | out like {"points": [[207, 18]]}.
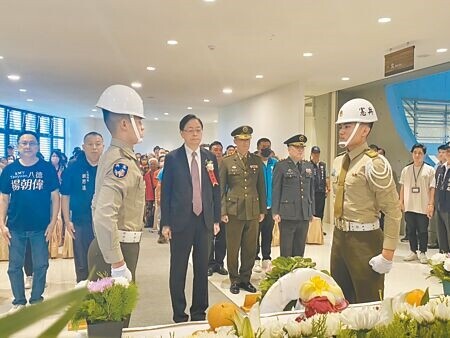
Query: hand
{"points": [[216, 228], [122, 271], [402, 206], [70, 229], [6, 234], [380, 264], [276, 218], [261, 217], [430, 210], [49, 231], [224, 218], [166, 232]]}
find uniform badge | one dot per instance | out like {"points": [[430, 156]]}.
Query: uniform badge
{"points": [[308, 171], [120, 170]]}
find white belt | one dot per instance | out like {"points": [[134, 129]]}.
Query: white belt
{"points": [[129, 236], [345, 225]]}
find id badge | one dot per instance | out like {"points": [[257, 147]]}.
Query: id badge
{"points": [[415, 190]]}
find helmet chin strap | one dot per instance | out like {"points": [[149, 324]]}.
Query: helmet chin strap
{"points": [[136, 131], [344, 144]]}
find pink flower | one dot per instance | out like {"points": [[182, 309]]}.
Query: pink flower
{"points": [[322, 305], [100, 285]]}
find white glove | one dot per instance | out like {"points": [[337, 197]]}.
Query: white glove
{"points": [[122, 271], [380, 264]]}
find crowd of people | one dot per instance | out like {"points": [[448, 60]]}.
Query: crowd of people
{"points": [[215, 203]]}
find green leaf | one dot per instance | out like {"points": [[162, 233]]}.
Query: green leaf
{"points": [[425, 298], [60, 324], [16, 321]]}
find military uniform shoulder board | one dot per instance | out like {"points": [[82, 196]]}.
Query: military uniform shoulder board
{"points": [[341, 154], [371, 153]]}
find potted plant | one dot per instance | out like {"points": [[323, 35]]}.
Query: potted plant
{"points": [[440, 268], [108, 302]]}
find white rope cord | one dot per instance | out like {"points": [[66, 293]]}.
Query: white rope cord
{"points": [[373, 175]]}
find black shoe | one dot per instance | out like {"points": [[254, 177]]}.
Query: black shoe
{"points": [[234, 288], [222, 271], [161, 240], [433, 246], [247, 287], [210, 271], [405, 239]]}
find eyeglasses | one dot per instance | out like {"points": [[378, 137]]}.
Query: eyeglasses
{"points": [[192, 131], [25, 143]]}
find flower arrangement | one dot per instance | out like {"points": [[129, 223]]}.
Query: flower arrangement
{"points": [[109, 299], [440, 266]]}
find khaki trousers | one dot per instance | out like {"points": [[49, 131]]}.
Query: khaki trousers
{"points": [[350, 255]]}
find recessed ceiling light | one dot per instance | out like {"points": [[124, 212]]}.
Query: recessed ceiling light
{"points": [[136, 84], [172, 42], [227, 90], [166, 114], [1, 57], [307, 54], [151, 68], [215, 121], [209, 0], [22, 90], [91, 115], [14, 77], [189, 108], [206, 100], [30, 100], [384, 20], [259, 76], [155, 118], [94, 109], [345, 78], [441, 50]]}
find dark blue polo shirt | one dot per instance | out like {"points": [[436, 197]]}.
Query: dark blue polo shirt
{"points": [[30, 191], [78, 182]]}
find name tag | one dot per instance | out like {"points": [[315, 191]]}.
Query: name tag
{"points": [[415, 190]]}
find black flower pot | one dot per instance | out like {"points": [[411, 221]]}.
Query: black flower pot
{"points": [[105, 330]]}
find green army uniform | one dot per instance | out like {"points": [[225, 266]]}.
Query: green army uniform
{"points": [[118, 209], [243, 200], [368, 189]]}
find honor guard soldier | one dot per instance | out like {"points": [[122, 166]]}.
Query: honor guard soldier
{"points": [[118, 203], [293, 197], [363, 185], [243, 207]]}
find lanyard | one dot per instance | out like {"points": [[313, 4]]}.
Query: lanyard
{"points": [[418, 174]]}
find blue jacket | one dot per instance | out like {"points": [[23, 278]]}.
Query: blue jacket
{"points": [[268, 175]]}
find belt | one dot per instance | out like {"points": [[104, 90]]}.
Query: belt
{"points": [[129, 236], [345, 225]]}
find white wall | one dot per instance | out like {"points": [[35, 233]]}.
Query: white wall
{"points": [[277, 115], [164, 134]]}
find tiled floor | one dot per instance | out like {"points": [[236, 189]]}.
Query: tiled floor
{"points": [[154, 304]]}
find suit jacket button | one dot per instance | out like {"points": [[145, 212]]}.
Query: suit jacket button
{"points": [[245, 195]]}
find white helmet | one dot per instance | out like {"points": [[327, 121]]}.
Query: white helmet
{"points": [[357, 110], [121, 99]]}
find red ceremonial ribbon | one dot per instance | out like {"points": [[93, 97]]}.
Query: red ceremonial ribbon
{"points": [[213, 178]]}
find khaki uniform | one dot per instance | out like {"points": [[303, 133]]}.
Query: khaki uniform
{"points": [[365, 195], [118, 204], [243, 200]]}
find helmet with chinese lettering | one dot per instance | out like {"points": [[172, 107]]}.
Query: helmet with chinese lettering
{"points": [[357, 110], [121, 99]]}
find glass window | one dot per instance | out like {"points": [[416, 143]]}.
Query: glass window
{"points": [[15, 120], [44, 125], [58, 127], [30, 122], [58, 143], [44, 147], [2, 144], [2, 117]]}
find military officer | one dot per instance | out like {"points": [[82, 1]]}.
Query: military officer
{"points": [[293, 197], [321, 182], [243, 207], [118, 203], [363, 185]]}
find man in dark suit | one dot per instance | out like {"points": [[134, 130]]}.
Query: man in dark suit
{"points": [[190, 212], [293, 197]]}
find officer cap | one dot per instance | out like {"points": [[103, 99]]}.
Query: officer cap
{"points": [[315, 150], [242, 132], [297, 140], [447, 146]]}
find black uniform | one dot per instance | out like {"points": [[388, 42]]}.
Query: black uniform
{"points": [[320, 187]]}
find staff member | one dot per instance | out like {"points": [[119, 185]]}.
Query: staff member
{"points": [[118, 204], [293, 197], [243, 207], [362, 181]]}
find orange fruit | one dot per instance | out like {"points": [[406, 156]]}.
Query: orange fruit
{"points": [[250, 300], [221, 314], [414, 297]]}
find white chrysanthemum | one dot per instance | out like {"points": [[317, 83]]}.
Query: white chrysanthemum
{"points": [[442, 312], [306, 326], [438, 258], [81, 284], [447, 264], [221, 332], [121, 281], [422, 314], [333, 324], [360, 319], [293, 329], [273, 329]]}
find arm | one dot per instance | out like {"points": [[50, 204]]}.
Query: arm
{"points": [[276, 192], [261, 186], [402, 198], [165, 199], [216, 193], [223, 191], [4, 204], [65, 210], [55, 211]]}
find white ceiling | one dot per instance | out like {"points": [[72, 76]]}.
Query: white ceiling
{"points": [[67, 52]]}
